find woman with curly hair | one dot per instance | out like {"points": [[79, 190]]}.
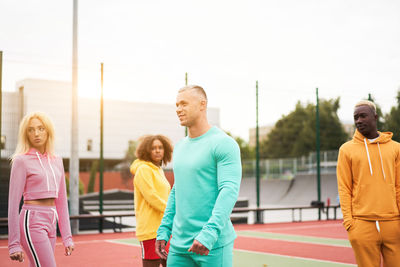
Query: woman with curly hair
{"points": [[151, 189]]}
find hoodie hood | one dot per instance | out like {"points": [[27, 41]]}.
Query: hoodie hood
{"points": [[33, 151], [384, 137], [48, 173], [138, 163]]}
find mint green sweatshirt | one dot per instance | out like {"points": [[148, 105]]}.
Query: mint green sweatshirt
{"points": [[207, 173]]}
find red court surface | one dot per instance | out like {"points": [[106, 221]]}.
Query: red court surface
{"points": [[97, 250], [90, 250], [326, 229]]}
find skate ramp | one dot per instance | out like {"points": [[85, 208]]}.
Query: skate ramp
{"points": [[299, 191]]}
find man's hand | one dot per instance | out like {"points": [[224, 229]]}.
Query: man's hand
{"points": [[160, 249], [17, 256], [198, 248], [68, 250]]}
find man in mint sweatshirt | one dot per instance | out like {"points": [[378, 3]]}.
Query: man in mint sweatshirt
{"points": [[207, 173]]}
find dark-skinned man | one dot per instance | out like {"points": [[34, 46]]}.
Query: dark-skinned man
{"points": [[368, 175]]}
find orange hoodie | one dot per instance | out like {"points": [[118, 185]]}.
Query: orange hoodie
{"points": [[368, 176]]}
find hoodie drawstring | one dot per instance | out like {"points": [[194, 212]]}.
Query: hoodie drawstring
{"points": [[55, 215], [54, 176], [380, 155], [377, 226], [369, 160], [47, 177]]}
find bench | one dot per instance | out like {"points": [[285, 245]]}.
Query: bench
{"points": [[108, 205]]}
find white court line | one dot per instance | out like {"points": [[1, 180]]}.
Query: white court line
{"points": [[294, 257], [121, 243], [299, 227], [296, 241]]}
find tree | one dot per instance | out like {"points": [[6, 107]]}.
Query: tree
{"points": [[392, 120], [81, 186], [294, 135], [93, 171], [246, 152], [126, 163], [380, 124]]}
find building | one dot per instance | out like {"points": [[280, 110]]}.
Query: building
{"points": [[124, 121], [263, 132]]}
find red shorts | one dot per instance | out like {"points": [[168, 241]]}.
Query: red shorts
{"points": [[149, 249]]}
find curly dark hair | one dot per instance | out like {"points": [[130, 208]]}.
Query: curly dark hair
{"points": [[143, 151]]}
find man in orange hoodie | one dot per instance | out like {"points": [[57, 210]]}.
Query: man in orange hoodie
{"points": [[368, 175]]}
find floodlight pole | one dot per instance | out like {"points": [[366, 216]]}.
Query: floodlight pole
{"points": [[74, 158], [258, 214], [101, 165], [318, 156], [1, 95]]}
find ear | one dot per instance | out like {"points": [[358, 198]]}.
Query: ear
{"points": [[203, 105]]}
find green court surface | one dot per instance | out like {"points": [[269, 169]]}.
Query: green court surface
{"points": [[245, 258], [296, 238]]}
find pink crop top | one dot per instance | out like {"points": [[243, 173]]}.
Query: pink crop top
{"points": [[37, 176]]}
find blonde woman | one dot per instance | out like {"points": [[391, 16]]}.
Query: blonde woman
{"points": [[151, 193], [37, 174]]}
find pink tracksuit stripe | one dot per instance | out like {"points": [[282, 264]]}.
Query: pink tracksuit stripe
{"points": [[29, 239]]}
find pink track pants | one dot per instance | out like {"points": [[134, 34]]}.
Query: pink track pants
{"points": [[38, 226]]}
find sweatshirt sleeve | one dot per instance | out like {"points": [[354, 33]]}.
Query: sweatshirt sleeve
{"points": [[17, 185], [397, 177], [62, 211], [165, 229], [144, 183], [229, 173], [345, 187]]}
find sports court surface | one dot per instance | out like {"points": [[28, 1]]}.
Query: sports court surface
{"points": [[304, 244]]}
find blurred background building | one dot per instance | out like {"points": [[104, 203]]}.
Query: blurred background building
{"points": [[124, 121]]}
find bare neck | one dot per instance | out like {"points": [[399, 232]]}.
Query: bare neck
{"points": [[41, 149], [199, 128], [373, 135]]}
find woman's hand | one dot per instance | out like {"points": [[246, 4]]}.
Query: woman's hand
{"points": [[68, 250], [17, 256]]}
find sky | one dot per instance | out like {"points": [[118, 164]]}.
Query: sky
{"points": [[345, 48]]}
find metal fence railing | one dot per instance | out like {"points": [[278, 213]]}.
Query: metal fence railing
{"points": [[287, 168]]}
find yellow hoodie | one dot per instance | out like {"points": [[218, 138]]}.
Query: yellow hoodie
{"points": [[151, 190], [368, 176]]}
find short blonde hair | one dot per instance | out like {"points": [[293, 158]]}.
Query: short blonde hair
{"points": [[199, 90], [23, 144], [368, 103]]}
